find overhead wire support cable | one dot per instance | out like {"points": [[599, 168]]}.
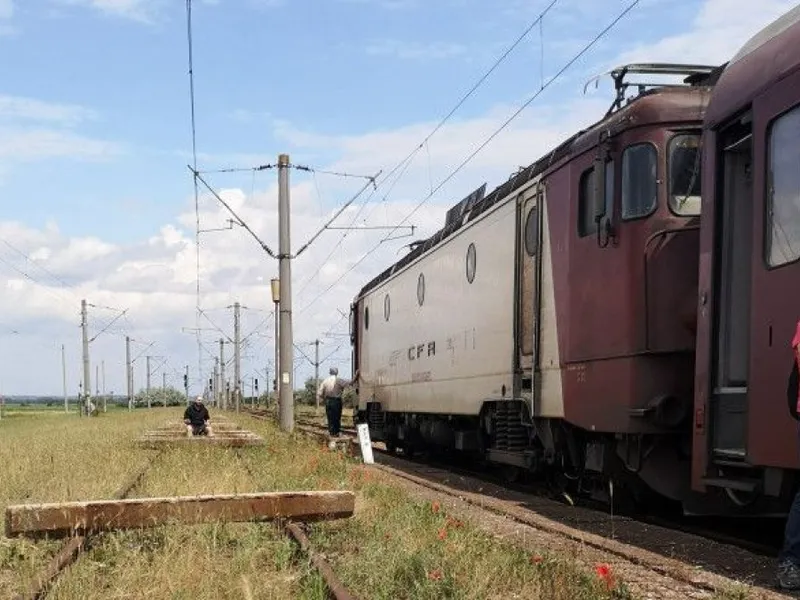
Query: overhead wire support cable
{"points": [[264, 246], [475, 152], [107, 326], [338, 212]]}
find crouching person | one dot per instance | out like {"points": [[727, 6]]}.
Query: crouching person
{"points": [[196, 418]]}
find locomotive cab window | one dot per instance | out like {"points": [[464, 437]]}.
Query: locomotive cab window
{"points": [[366, 317], [783, 190], [683, 164], [639, 181], [586, 223]]}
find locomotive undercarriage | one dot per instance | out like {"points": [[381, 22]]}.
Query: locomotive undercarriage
{"points": [[634, 470]]}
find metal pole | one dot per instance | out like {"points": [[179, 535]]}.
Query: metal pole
{"points": [[237, 376], [316, 371], [148, 382], [224, 396], [105, 398], [64, 377], [216, 382], [87, 386], [186, 385], [164, 381], [285, 277], [277, 352], [128, 374]]}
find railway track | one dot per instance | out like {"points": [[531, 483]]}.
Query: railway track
{"points": [[645, 540], [76, 545], [727, 531]]}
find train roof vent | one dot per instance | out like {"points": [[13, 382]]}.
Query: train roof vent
{"points": [[456, 214], [693, 75]]}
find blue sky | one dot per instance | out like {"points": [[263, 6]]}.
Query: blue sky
{"points": [[95, 138]]}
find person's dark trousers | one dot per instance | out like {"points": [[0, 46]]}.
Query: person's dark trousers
{"points": [[790, 553], [333, 410]]}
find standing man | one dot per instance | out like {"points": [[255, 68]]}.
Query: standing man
{"points": [[331, 390], [789, 557]]}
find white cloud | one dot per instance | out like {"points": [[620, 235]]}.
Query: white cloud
{"points": [[38, 144], [717, 32], [155, 278], [18, 108], [415, 50], [6, 9], [137, 10], [32, 129]]}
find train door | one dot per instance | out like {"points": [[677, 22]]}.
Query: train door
{"points": [[733, 272], [528, 277], [772, 435]]}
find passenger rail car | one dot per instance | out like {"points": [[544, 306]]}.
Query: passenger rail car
{"points": [[581, 320], [745, 444]]}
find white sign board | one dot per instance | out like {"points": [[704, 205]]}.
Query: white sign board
{"points": [[366, 444]]}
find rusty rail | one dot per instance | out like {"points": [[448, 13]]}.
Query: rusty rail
{"points": [[335, 587], [74, 546]]}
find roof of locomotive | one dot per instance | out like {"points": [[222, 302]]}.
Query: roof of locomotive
{"points": [[766, 58], [661, 104]]}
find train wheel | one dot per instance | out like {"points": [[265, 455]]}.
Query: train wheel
{"points": [[511, 473], [391, 446]]}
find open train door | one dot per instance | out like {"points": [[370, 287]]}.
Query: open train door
{"points": [[733, 258], [529, 274]]}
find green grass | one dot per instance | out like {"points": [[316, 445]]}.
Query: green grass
{"points": [[394, 546]]}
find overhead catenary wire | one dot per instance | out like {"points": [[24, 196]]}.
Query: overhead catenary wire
{"points": [[196, 190], [406, 162], [486, 142]]}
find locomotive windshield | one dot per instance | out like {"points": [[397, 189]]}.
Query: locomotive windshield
{"points": [[683, 163]]}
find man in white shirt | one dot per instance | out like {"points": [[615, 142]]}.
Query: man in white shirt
{"points": [[331, 390]]}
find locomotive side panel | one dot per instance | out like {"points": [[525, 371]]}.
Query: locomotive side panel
{"points": [[551, 396], [436, 342]]}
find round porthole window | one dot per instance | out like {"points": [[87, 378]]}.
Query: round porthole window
{"points": [[386, 307], [421, 289], [366, 317], [471, 258]]}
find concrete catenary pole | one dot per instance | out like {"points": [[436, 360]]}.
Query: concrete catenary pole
{"points": [[216, 382], [316, 371], [148, 383], [64, 377], [87, 385], [224, 396], [286, 406], [128, 373], [237, 377]]}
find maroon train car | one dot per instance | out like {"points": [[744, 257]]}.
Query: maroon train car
{"points": [[745, 443], [551, 324]]}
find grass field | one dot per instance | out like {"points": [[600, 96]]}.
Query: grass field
{"points": [[394, 547]]}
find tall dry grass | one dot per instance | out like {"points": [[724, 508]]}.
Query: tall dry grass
{"points": [[394, 547]]}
